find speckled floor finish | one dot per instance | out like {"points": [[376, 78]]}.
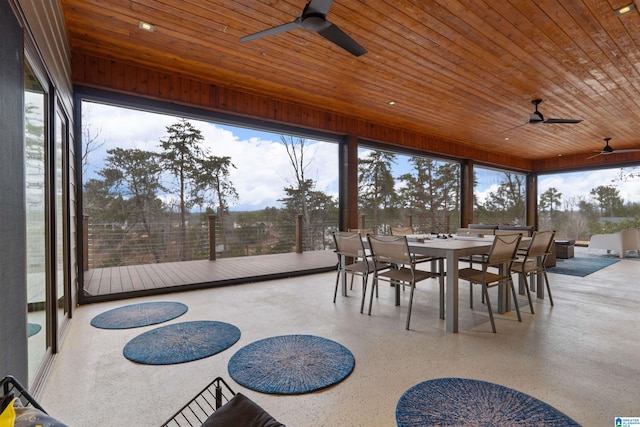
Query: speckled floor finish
{"points": [[581, 356]]}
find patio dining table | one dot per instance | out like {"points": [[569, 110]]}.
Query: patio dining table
{"points": [[452, 248]]}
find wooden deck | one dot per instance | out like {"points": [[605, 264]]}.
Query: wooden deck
{"points": [[103, 284]]}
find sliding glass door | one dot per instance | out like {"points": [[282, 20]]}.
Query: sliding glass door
{"points": [[47, 218], [36, 99]]}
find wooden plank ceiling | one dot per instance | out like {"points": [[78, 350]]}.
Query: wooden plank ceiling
{"points": [[462, 70]]}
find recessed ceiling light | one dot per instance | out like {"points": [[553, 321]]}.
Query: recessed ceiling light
{"points": [[391, 102], [625, 9], [145, 26], [506, 138]]}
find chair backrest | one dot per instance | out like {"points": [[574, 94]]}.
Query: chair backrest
{"points": [[503, 249], [540, 243], [401, 231], [349, 243], [363, 231], [630, 240], [508, 232], [390, 249]]}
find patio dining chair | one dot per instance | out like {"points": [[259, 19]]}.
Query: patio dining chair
{"points": [[405, 231], [532, 261], [501, 257], [401, 231], [363, 231], [394, 251], [352, 259]]}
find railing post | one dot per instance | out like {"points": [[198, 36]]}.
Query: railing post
{"points": [[299, 233], [85, 243], [362, 222], [212, 237]]}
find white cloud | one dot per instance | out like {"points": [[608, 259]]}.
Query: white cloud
{"points": [[262, 165], [579, 184], [482, 194]]}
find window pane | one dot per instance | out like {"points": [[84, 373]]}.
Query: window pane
{"points": [[580, 204], [60, 212], [397, 189], [35, 169], [499, 197], [151, 182]]}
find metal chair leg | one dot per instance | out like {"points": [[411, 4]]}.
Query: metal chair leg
{"points": [[515, 300], [364, 291], [546, 279], [335, 292], [375, 286], [485, 292], [526, 286], [471, 295], [413, 287], [442, 296]]}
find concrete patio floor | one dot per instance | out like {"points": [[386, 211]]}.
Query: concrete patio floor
{"points": [[581, 356]]}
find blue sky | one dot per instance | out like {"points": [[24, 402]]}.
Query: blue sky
{"points": [[263, 167]]}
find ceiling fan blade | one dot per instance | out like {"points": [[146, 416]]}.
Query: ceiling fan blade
{"points": [[335, 35], [626, 150], [562, 121], [537, 117], [275, 30], [319, 6], [596, 155], [515, 127]]}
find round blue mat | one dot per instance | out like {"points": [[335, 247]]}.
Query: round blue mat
{"points": [[138, 315], [291, 364], [465, 402], [32, 329], [181, 342]]}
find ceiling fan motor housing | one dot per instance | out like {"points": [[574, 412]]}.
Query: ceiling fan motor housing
{"points": [[536, 117], [313, 22]]}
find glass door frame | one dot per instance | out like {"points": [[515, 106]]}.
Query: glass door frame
{"points": [[56, 180], [60, 217]]}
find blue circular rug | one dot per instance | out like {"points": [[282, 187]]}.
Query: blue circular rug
{"points": [[465, 402], [181, 342], [33, 328], [138, 315], [291, 364]]}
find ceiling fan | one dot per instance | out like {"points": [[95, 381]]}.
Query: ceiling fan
{"points": [[609, 150], [314, 19], [537, 117]]}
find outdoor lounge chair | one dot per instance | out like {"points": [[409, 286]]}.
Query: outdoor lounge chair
{"points": [[620, 242]]}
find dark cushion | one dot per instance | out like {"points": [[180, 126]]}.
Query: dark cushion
{"points": [[483, 226], [241, 411], [515, 227], [565, 242]]}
